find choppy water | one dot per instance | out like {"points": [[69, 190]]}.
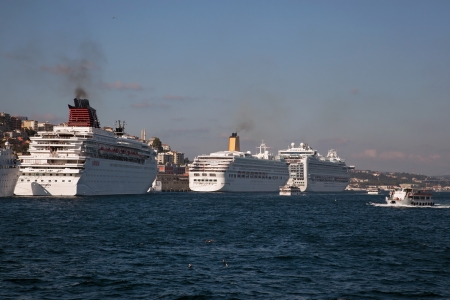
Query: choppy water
{"points": [[322, 246]]}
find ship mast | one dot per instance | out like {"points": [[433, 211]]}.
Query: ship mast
{"points": [[120, 128]]}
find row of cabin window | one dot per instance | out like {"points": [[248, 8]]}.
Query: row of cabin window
{"points": [[205, 180], [28, 180], [250, 176]]}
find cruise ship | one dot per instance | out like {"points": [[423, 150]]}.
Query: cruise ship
{"points": [[9, 171], [82, 159], [236, 171], [312, 172]]}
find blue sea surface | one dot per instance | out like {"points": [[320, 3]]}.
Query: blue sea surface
{"points": [[239, 246]]}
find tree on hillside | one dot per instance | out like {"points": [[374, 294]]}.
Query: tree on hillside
{"points": [[29, 131], [157, 144]]}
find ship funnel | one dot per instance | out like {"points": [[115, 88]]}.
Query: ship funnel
{"points": [[233, 143], [82, 115]]}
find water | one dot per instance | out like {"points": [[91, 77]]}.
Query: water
{"points": [[321, 246]]}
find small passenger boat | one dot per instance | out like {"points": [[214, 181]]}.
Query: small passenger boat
{"points": [[289, 189], [410, 196]]}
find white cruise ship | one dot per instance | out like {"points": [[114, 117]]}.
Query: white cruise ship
{"points": [[312, 172], [236, 171], [9, 171], [82, 159]]}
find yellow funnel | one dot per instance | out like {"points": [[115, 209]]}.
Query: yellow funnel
{"points": [[233, 143]]}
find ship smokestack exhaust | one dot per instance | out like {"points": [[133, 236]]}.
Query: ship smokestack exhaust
{"points": [[233, 142], [82, 114]]}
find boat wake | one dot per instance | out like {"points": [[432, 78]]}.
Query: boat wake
{"points": [[412, 206]]}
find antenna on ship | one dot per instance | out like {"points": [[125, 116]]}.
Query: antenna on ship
{"points": [[262, 146], [120, 127]]}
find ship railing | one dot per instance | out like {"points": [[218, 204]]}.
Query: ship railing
{"points": [[58, 137], [57, 163], [45, 143]]}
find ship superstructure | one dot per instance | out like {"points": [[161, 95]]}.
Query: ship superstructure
{"points": [[312, 172], [236, 171], [82, 159], [9, 171]]}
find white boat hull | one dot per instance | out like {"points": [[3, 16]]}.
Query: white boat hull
{"points": [[106, 177], [408, 202], [324, 187], [236, 185], [8, 180]]}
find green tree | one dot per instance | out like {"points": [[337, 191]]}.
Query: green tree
{"points": [[20, 147], [157, 144], [186, 161], [30, 131]]}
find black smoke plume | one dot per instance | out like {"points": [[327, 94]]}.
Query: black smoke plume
{"points": [[80, 74], [80, 93], [246, 125]]}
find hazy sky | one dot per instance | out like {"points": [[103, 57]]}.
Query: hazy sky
{"points": [[368, 78]]}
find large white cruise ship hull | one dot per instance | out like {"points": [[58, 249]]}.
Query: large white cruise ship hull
{"points": [[237, 185], [324, 187], [80, 159], [235, 171], [104, 177], [9, 172], [8, 179], [312, 172]]}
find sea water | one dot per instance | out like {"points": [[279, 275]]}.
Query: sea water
{"points": [[223, 246]]}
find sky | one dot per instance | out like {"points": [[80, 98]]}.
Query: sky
{"points": [[370, 79]]}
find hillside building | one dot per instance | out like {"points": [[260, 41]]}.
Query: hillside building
{"points": [[45, 126], [31, 124]]}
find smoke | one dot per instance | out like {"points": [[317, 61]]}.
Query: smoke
{"points": [[86, 71], [81, 76], [243, 119], [246, 125], [81, 73], [80, 93], [262, 115]]}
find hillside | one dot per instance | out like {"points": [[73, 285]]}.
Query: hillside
{"points": [[365, 178]]}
